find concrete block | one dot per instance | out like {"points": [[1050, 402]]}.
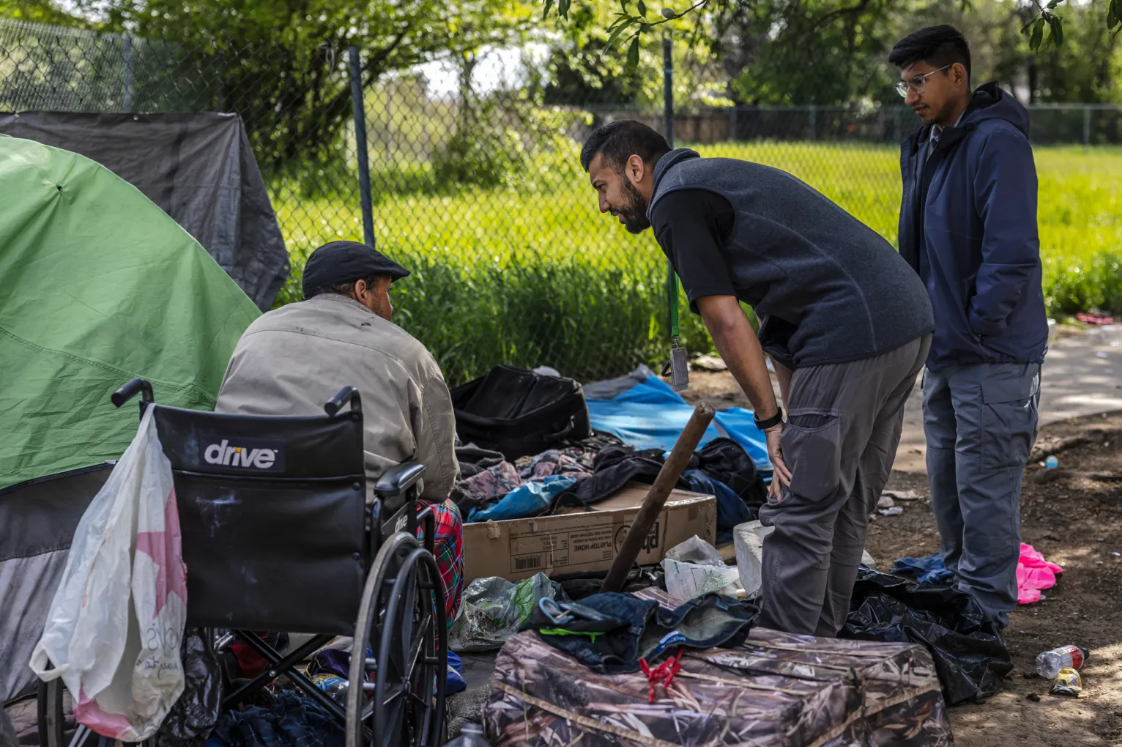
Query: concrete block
{"points": [[749, 543]]}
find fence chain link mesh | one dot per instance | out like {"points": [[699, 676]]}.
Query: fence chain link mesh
{"points": [[475, 177]]}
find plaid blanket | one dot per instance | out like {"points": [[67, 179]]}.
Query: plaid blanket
{"points": [[449, 550]]}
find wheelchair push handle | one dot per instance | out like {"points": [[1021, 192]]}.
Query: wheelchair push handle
{"points": [[344, 395], [130, 390]]}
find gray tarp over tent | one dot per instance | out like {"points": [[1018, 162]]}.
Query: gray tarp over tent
{"points": [[198, 168]]}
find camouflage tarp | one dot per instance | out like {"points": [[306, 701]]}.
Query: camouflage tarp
{"points": [[776, 690]]}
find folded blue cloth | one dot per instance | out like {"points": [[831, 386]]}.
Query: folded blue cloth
{"points": [[928, 571], [528, 500]]}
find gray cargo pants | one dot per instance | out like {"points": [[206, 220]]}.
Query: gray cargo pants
{"points": [[980, 422], [843, 427]]}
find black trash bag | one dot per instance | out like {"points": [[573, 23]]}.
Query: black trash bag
{"points": [[970, 657], [192, 718]]}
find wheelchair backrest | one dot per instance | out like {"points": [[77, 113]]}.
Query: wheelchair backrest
{"points": [[273, 515]]}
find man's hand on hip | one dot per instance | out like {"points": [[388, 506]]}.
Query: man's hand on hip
{"points": [[781, 476]]}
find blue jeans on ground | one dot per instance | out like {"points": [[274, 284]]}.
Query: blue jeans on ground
{"points": [[980, 421]]}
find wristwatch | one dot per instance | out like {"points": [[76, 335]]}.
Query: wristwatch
{"points": [[771, 422]]}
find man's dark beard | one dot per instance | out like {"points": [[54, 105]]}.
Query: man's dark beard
{"points": [[635, 213]]}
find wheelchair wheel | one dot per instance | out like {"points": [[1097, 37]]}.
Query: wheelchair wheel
{"points": [[56, 730], [402, 620], [53, 728]]}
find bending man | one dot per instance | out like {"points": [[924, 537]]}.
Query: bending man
{"points": [[845, 320]]}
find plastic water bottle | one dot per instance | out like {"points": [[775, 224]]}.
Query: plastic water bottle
{"points": [[1051, 462], [333, 686], [470, 736], [1050, 663]]}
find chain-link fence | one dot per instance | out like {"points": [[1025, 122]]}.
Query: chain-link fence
{"points": [[474, 178]]}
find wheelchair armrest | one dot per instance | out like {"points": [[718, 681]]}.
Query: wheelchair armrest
{"points": [[397, 480]]}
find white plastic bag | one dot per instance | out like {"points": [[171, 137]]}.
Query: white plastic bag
{"points": [[695, 568], [698, 551], [115, 626]]}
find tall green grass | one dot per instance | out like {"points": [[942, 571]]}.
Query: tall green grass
{"points": [[532, 274]]}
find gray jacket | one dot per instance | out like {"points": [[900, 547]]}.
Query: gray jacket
{"points": [[292, 360]]}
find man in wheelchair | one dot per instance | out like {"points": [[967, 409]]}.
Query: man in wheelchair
{"points": [[293, 359], [280, 534]]}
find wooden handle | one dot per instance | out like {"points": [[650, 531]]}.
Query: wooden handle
{"points": [[652, 505]]}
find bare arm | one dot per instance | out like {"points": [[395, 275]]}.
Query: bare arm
{"points": [[740, 350], [784, 375]]}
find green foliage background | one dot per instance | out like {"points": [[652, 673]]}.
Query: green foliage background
{"points": [[532, 274]]}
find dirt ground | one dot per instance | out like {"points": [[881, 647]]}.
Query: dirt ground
{"points": [[1074, 516]]}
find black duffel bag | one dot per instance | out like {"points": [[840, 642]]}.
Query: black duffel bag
{"points": [[520, 413]]}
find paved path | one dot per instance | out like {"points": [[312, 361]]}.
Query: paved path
{"points": [[1082, 376]]}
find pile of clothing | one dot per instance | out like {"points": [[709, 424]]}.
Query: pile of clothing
{"points": [[584, 452], [586, 472], [615, 633], [492, 489], [1034, 573]]}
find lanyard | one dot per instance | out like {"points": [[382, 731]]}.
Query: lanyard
{"points": [[672, 299]]}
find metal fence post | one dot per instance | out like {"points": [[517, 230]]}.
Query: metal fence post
{"points": [[668, 113], [126, 104], [668, 84], [360, 146], [813, 122], [1086, 126]]}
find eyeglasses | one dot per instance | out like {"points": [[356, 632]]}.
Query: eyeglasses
{"points": [[917, 83]]}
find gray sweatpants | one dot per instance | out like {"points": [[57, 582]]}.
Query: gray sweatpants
{"points": [[843, 427], [980, 422]]}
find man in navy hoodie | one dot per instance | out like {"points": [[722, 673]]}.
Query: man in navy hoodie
{"points": [[968, 227]]}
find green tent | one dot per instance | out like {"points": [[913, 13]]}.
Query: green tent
{"points": [[97, 285]]}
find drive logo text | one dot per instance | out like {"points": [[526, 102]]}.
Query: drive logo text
{"points": [[243, 454]]}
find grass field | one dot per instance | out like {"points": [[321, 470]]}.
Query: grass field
{"points": [[532, 274]]}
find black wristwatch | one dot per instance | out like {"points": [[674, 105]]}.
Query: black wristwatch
{"points": [[771, 422]]}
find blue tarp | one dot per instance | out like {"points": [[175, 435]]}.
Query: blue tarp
{"points": [[650, 415]]}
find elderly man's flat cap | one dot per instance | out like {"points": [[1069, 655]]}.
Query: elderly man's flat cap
{"points": [[345, 262]]}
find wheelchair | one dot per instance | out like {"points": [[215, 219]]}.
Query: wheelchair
{"points": [[278, 537]]}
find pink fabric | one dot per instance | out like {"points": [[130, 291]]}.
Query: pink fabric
{"points": [[165, 547], [88, 713], [1034, 573]]}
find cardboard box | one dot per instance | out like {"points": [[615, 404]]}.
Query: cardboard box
{"points": [[581, 541]]}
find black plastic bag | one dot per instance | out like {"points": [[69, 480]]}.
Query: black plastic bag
{"points": [[970, 657], [194, 715]]}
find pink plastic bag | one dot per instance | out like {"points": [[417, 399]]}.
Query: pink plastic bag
{"points": [[1034, 574]]}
